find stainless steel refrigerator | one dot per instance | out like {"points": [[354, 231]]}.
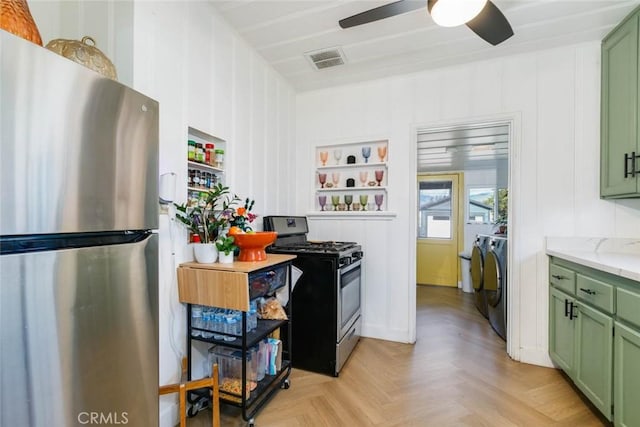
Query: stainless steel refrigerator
{"points": [[78, 243]]}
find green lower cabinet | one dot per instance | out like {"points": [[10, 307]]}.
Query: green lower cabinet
{"points": [[561, 331], [594, 357], [627, 377]]}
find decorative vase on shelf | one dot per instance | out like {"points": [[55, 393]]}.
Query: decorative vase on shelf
{"points": [[16, 18], [225, 258], [205, 253]]}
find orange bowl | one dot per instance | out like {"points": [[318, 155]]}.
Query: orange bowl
{"points": [[252, 245]]}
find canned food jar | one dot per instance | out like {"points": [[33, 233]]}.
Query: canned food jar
{"points": [[219, 158], [199, 153], [209, 154], [192, 150]]}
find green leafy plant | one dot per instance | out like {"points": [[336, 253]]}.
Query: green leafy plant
{"points": [[226, 245], [210, 216]]}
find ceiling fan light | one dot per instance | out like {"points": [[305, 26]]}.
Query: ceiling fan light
{"points": [[451, 13]]}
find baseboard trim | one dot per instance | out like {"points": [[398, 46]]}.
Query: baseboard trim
{"points": [[535, 356], [168, 413], [377, 332]]}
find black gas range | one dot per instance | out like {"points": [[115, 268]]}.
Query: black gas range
{"points": [[325, 302]]}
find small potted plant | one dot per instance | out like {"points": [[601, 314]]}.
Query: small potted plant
{"points": [[226, 246], [207, 220]]}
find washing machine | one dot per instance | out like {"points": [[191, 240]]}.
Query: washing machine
{"points": [[495, 284], [477, 272]]}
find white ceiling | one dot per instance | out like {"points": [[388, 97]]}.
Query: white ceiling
{"points": [[283, 31]]}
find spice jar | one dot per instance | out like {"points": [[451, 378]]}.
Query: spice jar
{"points": [[196, 179], [192, 175], [219, 158], [209, 154], [192, 150], [199, 153]]}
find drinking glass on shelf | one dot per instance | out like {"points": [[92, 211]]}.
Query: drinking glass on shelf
{"points": [[363, 177], [366, 153], [335, 178], [379, 198], [323, 201], [337, 154], [379, 175], [347, 201], [335, 201], [324, 156], [382, 152], [363, 201], [322, 177]]}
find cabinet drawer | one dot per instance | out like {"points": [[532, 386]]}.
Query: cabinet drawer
{"points": [[596, 293], [562, 278], [628, 305], [213, 288]]}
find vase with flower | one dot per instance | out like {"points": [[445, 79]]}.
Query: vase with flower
{"points": [[207, 219], [242, 217]]}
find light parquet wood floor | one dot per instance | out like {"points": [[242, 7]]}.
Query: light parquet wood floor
{"points": [[456, 374]]}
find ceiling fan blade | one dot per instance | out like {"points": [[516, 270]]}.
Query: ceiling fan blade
{"points": [[491, 25], [381, 12]]}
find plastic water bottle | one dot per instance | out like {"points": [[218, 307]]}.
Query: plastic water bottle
{"points": [[196, 319], [231, 324], [206, 316], [218, 325]]}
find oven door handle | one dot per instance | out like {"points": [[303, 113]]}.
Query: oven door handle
{"points": [[345, 268]]}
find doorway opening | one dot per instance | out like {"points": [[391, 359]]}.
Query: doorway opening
{"points": [[463, 191], [439, 228]]}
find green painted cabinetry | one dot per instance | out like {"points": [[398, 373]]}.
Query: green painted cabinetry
{"points": [[594, 356], [594, 336], [561, 330], [627, 376], [620, 111]]}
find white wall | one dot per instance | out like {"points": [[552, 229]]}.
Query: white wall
{"points": [[553, 98], [186, 57], [109, 23]]}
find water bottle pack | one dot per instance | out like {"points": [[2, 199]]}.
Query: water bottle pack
{"points": [[220, 323]]}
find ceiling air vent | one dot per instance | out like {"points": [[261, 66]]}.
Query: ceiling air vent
{"points": [[326, 58]]}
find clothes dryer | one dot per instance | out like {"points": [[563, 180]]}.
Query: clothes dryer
{"points": [[495, 284], [477, 272]]}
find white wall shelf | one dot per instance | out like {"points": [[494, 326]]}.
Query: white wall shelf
{"points": [[339, 164], [351, 214], [204, 167], [347, 189], [213, 174], [371, 165]]}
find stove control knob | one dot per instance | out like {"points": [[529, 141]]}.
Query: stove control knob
{"points": [[358, 254], [344, 261]]}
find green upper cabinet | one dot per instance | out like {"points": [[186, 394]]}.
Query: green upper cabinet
{"points": [[620, 142]]}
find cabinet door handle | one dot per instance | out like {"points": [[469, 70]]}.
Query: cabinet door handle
{"points": [[566, 307], [630, 171], [559, 277], [572, 315], [588, 291]]}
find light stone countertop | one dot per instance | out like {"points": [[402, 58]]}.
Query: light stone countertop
{"points": [[616, 256]]}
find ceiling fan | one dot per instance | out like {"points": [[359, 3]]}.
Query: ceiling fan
{"points": [[482, 16]]}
